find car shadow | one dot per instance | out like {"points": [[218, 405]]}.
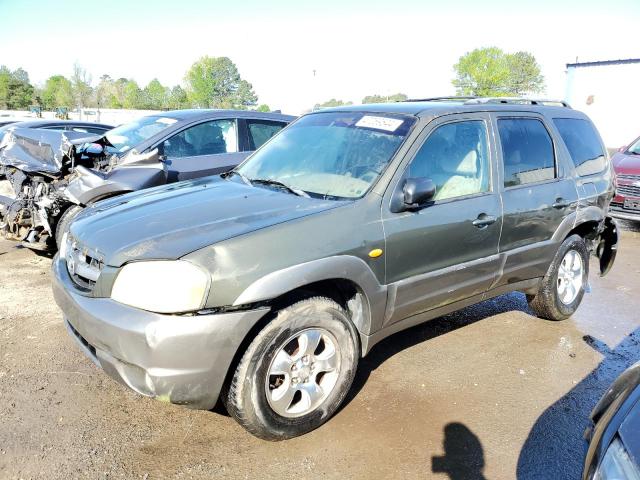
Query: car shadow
{"points": [[463, 457], [40, 253], [400, 341], [555, 447]]}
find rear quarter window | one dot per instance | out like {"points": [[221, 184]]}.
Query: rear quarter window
{"points": [[585, 149]]}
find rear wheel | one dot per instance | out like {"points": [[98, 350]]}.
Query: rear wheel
{"points": [[564, 284], [296, 372]]}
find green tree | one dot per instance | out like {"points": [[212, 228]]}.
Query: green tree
{"points": [[132, 95], [16, 93], [263, 108], [331, 103], [5, 77], [214, 82], [103, 92], [177, 98], [81, 83], [20, 95], [155, 96], [490, 72], [396, 97], [525, 74], [57, 92]]}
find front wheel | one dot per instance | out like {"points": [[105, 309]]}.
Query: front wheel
{"points": [[564, 284], [296, 372]]}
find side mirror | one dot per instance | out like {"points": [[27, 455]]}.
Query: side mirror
{"points": [[623, 149], [417, 192]]}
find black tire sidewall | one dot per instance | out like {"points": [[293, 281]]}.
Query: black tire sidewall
{"points": [[289, 322], [575, 243], [65, 220]]}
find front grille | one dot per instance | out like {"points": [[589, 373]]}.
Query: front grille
{"points": [[628, 190], [84, 266], [632, 178]]}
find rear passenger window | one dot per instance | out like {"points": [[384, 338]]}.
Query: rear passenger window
{"points": [[260, 131], [583, 144], [527, 151]]}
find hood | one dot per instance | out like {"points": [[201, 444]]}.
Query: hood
{"points": [[37, 150], [171, 221], [627, 164]]}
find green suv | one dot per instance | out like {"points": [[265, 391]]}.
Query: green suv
{"points": [[264, 286]]}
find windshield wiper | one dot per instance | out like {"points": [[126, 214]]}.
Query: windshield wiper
{"points": [[276, 183], [235, 172]]}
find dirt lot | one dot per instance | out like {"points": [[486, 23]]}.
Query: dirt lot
{"points": [[490, 391]]}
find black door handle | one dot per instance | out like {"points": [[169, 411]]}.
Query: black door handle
{"points": [[560, 203], [484, 220]]}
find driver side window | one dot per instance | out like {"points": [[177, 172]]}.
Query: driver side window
{"points": [[208, 138], [456, 158]]}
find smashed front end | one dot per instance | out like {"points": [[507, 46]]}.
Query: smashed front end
{"points": [[35, 165]]}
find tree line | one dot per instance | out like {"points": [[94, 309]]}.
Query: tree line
{"points": [[211, 82], [214, 82]]}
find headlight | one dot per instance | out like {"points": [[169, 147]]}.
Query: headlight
{"points": [[163, 286], [617, 464]]}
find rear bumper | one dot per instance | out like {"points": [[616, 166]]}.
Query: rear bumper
{"points": [[180, 359]]}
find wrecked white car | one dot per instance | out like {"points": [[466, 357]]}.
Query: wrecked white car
{"points": [[52, 176]]}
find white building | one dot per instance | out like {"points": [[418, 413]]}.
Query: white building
{"points": [[609, 92]]}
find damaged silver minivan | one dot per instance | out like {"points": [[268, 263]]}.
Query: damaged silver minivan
{"points": [[54, 175]]}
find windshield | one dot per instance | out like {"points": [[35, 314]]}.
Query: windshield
{"points": [[330, 155], [127, 136], [635, 148]]}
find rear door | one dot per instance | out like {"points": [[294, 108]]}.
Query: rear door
{"points": [[206, 148], [447, 251], [538, 192]]}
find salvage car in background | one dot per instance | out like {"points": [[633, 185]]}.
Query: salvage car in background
{"points": [[54, 176], [88, 128], [614, 439], [626, 163], [264, 286]]}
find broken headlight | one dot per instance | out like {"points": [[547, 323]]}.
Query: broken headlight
{"points": [[162, 286]]}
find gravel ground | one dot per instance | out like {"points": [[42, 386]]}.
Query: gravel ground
{"points": [[487, 392]]}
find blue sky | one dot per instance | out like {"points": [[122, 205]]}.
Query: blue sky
{"points": [[357, 48]]}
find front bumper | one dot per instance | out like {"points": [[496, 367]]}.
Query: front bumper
{"points": [[174, 358]]}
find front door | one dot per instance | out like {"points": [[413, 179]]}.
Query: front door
{"points": [[447, 251], [203, 149]]}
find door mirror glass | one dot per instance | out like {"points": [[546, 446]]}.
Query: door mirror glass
{"points": [[417, 192]]}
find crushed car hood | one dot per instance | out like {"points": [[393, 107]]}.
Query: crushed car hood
{"points": [[34, 150], [173, 220]]}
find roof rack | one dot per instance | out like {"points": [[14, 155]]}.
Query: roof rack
{"points": [[440, 99], [470, 100], [519, 101]]}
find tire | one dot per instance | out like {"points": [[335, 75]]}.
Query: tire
{"points": [[65, 220], [553, 301], [250, 396]]}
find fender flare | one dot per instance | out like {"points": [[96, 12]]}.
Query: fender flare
{"points": [[340, 267], [582, 215]]}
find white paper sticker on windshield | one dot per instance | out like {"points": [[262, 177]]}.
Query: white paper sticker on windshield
{"points": [[167, 121], [379, 123]]}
